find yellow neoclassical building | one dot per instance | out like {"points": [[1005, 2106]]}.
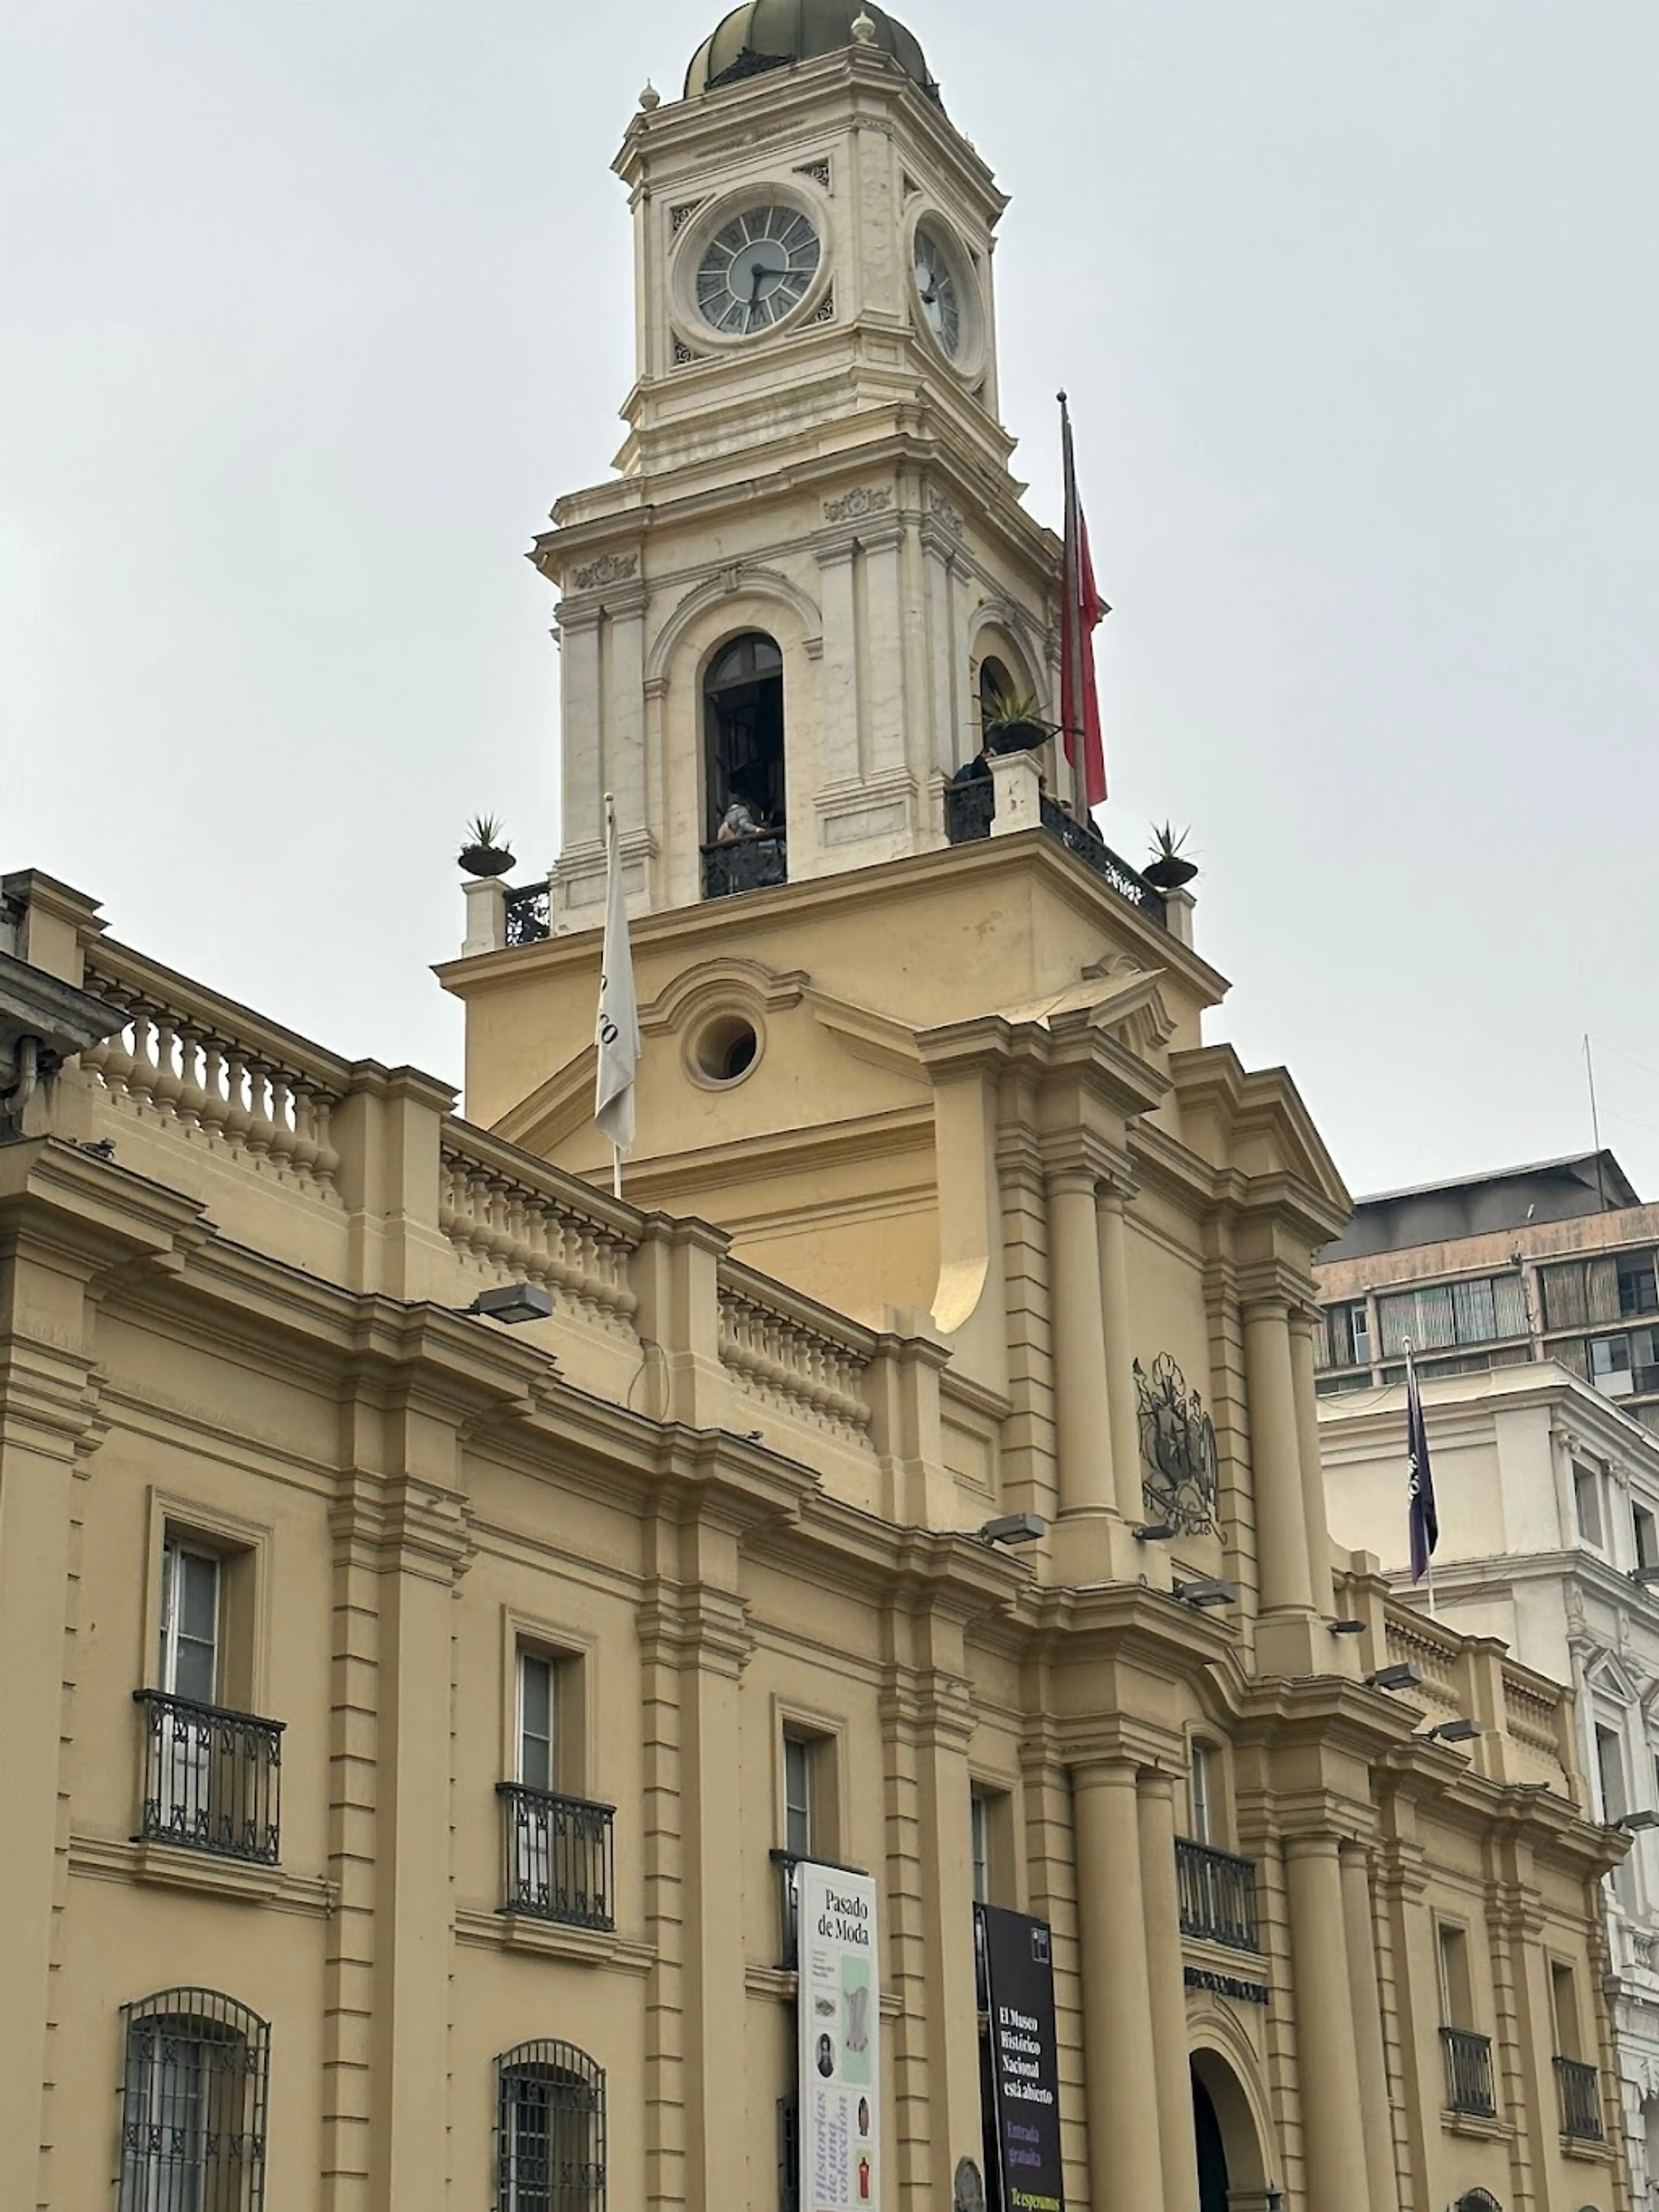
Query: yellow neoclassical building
{"points": [[448, 1612]]}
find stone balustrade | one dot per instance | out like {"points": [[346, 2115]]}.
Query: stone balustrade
{"points": [[520, 1221], [219, 1076], [794, 1354]]}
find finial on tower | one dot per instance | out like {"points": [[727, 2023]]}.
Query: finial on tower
{"points": [[650, 97], [864, 30]]}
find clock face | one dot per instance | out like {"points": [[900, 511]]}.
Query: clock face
{"points": [[755, 269], [937, 290]]}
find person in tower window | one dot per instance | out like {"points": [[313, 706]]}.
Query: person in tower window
{"points": [[737, 822]]}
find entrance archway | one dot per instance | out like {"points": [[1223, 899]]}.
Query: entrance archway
{"points": [[1232, 2169]]}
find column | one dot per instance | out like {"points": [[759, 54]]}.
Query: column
{"points": [[582, 813], [882, 650], [1112, 1232], [715, 1643], [1327, 2066], [948, 744], [838, 678], [1167, 1984], [1307, 1437], [623, 708], [1282, 1528], [42, 1416], [1126, 2166], [1082, 1412], [1375, 2105]]}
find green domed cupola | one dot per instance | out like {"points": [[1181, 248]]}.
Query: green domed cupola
{"points": [[766, 34]]}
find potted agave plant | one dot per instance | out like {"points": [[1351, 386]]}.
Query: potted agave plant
{"points": [[485, 853], [1011, 724], [1166, 869]]}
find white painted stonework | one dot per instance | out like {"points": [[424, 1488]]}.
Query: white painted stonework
{"points": [[837, 483]]}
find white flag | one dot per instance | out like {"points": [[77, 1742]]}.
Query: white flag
{"points": [[618, 1032]]}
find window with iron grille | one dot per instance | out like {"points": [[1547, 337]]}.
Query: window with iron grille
{"points": [[193, 2104], [549, 2129], [789, 2153]]}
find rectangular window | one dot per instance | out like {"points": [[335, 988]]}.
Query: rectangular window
{"points": [[1647, 1536], [980, 1831], [1483, 1311], [1347, 1335], [797, 1763], [1610, 1365], [537, 1764], [190, 1623], [1587, 1501], [1638, 1288], [1201, 1778], [1456, 1994], [1610, 1772], [1563, 2005]]}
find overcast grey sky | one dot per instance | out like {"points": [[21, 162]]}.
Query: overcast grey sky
{"points": [[311, 311]]}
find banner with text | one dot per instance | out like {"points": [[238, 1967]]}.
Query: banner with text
{"points": [[839, 2009], [1020, 1978]]}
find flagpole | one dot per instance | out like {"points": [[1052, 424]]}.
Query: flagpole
{"points": [[1072, 628]]}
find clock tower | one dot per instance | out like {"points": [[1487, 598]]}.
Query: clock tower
{"points": [[813, 561]]}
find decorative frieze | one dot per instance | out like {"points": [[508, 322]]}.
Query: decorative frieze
{"points": [[825, 310], [851, 506], [817, 171], [680, 215], [946, 516], [609, 568]]}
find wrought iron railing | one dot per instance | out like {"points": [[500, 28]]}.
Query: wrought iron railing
{"points": [[1128, 883], [789, 2152], [559, 1852], [529, 914], [1580, 2089], [747, 864], [1218, 1895], [1468, 2073], [212, 1778], [969, 809]]}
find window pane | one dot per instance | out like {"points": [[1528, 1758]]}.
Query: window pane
{"points": [[189, 1624], [1508, 1306], [535, 1721], [796, 1796]]}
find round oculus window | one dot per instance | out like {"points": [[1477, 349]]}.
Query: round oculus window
{"points": [[724, 1048], [757, 269]]}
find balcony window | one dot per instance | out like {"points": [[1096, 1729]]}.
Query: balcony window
{"points": [[549, 2129], [1468, 2073], [1579, 2087], [193, 2105], [1218, 1895], [743, 763]]}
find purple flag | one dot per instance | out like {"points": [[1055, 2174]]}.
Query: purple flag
{"points": [[1422, 1520]]}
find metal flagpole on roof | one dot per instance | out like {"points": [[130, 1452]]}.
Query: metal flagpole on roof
{"points": [[1074, 644]]}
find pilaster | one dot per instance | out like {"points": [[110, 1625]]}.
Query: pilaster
{"points": [[1376, 2112], [1327, 2065], [1166, 1984]]}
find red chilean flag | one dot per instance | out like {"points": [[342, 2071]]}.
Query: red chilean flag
{"points": [[1081, 609]]}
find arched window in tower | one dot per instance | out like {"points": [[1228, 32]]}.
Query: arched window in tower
{"points": [[997, 690], [744, 793]]}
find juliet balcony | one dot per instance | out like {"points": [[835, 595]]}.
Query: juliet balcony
{"points": [[1217, 1891], [212, 1779], [1468, 2073], [559, 1855], [1579, 2088]]}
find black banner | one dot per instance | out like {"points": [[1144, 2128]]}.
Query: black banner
{"points": [[1019, 1981]]}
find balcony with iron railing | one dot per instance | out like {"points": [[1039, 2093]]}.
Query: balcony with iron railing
{"points": [[559, 1857], [1579, 2087], [212, 1778], [745, 863], [1468, 2073], [971, 809], [1218, 1895]]}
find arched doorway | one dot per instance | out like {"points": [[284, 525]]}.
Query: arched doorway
{"points": [[743, 732], [1233, 2175], [1213, 2183]]}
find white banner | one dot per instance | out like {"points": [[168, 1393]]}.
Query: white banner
{"points": [[840, 2010]]}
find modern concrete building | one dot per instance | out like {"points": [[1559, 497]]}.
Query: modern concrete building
{"points": [[1549, 1541], [442, 1604], [1553, 1261]]}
